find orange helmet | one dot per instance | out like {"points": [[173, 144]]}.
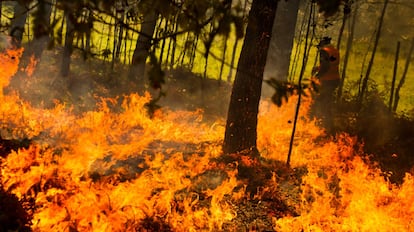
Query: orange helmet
{"points": [[329, 69], [333, 54]]}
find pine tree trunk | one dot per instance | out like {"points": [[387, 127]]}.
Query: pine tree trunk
{"points": [[1, 12], [402, 80], [371, 62], [241, 126], [223, 58], [41, 28], [18, 22], [350, 40], [142, 49], [68, 48]]}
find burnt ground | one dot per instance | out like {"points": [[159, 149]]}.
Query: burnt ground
{"points": [[387, 137]]}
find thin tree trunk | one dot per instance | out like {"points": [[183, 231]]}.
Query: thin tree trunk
{"points": [[143, 46], [233, 59], [394, 76], [402, 81], [18, 22], [159, 31], [241, 125], [193, 53], [184, 50], [223, 58], [60, 31], [88, 34], [302, 72], [41, 28], [126, 38], [167, 59], [293, 68], [371, 62], [68, 48], [346, 11], [130, 48], [114, 59], [174, 44], [347, 52], [120, 35], [107, 51]]}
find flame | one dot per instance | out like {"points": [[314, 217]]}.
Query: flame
{"points": [[117, 169], [31, 66], [9, 61]]}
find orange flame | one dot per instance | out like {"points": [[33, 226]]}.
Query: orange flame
{"points": [[116, 169], [31, 66], [9, 61]]}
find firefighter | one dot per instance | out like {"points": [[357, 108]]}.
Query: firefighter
{"points": [[327, 75]]}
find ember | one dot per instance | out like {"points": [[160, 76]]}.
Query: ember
{"points": [[117, 169]]}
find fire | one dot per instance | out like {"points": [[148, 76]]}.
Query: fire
{"points": [[9, 61], [117, 169], [31, 66]]}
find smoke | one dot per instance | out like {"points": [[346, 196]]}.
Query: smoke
{"points": [[188, 91], [91, 80], [5, 42]]}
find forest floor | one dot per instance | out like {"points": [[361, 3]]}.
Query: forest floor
{"points": [[383, 134]]}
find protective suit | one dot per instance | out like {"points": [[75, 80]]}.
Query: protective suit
{"points": [[327, 74]]}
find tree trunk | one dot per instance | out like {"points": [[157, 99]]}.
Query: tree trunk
{"points": [[41, 28], [18, 22], [346, 12], [88, 24], [233, 58], [223, 58], [349, 42], [142, 49], [394, 75], [120, 32], [68, 48], [371, 62], [280, 49], [241, 133], [172, 44], [1, 13], [402, 81]]}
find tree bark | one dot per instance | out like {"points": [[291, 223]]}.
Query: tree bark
{"points": [[402, 81], [241, 125], [371, 62], [41, 28], [394, 74], [142, 49], [18, 22], [349, 43], [68, 48], [1, 12]]}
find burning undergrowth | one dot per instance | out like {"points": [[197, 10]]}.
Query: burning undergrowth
{"points": [[113, 168]]}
